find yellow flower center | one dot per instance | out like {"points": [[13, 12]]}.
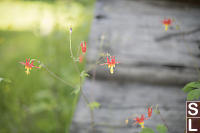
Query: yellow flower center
{"points": [[166, 27], [142, 124], [28, 71], [111, 69], [126, 121]]}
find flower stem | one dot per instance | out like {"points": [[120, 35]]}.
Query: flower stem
{"points": [[164, 122], [71, 53], [70, 45], [57, 77], [84, 96], [161, 117], [91, 111]]}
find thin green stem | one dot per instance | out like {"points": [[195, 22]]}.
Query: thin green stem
{"points": [[161, 117], [70, 45], [71, 53], [164, 122], [100, 57], [190, 53], [84, 96], [195, 64], [94, 65], [91, 111], [109, 125], [57, 77]]}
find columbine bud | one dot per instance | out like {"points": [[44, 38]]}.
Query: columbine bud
{"points": [[83, 47], [70, 30]]}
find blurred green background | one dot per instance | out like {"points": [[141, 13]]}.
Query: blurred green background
{"points": [[38, 103]]}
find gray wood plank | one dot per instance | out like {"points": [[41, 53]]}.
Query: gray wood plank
{"points": [[154, 64], [120, 101], [134, 33]]}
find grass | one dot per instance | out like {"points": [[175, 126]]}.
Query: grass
{"points": [[38, 102]]}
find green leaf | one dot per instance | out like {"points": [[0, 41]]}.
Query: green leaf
{"points": [[76, 91], [156, 110], [5, 80], [40, 107], [94, 105], [190, 86], [1, 79], [193, 95], [40, 66], [76, 59], [147, 130], [161, 128], [84, 74], [44, 94]]}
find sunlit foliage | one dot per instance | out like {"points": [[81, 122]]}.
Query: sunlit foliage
{"points": [[34, 29]]}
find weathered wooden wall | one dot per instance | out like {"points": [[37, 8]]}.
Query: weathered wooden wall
{"points": [[154, 64]]}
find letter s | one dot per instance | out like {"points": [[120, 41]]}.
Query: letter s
{"points": [[193, 108]]}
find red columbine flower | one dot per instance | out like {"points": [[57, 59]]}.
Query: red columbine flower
{"points": [[80, 58], [111, 63], [83, 48], [167, 22], [140, 120], [149, 112], [28, 65]]}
